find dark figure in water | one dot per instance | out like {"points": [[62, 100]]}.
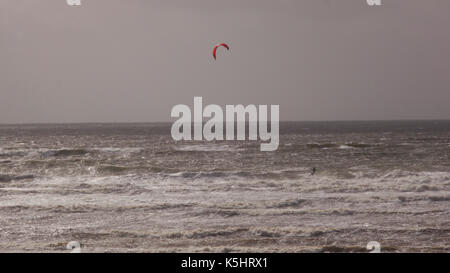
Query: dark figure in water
{"points": [[313, 171]]}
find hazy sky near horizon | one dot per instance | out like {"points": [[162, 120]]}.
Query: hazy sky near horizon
{"points": [[132, 61]]}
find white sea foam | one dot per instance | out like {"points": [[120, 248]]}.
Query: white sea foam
{"points": [[130, 188], [345, 147], [206, 148]]}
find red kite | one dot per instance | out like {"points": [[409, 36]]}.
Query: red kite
{"points": [[217, 46]]}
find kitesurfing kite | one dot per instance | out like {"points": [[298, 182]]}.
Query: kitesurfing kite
{"points": [[217, 46]]}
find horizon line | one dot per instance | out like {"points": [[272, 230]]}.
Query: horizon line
{"points": [[167, 122]]}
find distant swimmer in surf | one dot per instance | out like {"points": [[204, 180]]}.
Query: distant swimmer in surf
{"points": [[313, 171]]}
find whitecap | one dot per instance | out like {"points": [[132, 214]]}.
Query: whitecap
{"points": [[206, 148]]}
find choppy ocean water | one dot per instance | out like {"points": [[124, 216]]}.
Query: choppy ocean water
{"points": [[130, 187]]}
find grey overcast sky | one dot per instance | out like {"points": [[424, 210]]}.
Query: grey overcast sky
{"points": [[132, 61]]}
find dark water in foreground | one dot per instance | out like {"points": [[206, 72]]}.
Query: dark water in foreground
{"points": [[130, 187]]}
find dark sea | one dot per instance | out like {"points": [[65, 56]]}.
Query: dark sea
{"points": [[131, 188]]}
